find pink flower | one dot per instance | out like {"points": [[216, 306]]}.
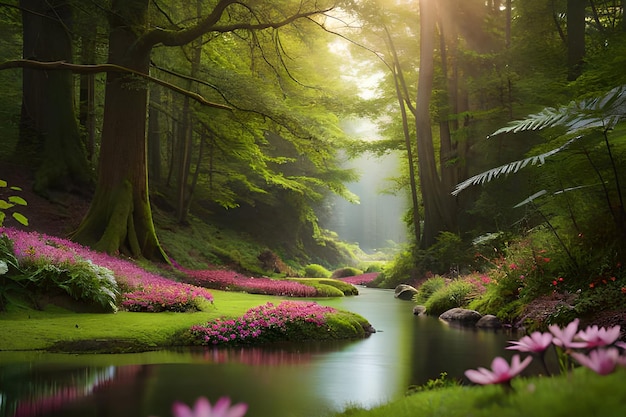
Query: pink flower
{"points": [[537, 342], [593, 336], [203, 408], [601, 361], [564, 337], [500, 372]]}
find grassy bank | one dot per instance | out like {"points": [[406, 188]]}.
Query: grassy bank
{"points": [[582, 393], [28, 329], [55, 328]]}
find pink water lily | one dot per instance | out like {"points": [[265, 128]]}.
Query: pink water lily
{"points": [[203, 408], [565, 337], [602, 361], [500, 372], [537, 342], [594, 336]]}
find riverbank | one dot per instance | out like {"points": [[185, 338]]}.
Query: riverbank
{"points": [[581, 393], [61, 330]]}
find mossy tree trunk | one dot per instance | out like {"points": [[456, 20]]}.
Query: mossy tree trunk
{"points": [[49, 132], [120, 218]]}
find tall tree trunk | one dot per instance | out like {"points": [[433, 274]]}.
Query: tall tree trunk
{"points": [[436, 212], [403, 101], [575, 37], [184, 190], [87, 116], [120, 218], [154, 136], [48, 125]]}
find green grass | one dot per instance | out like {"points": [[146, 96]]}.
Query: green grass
{"points": [[582, 393], [27, 329]]}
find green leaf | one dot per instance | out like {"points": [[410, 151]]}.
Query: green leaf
{"points": [[18, 200], [2, 216], [15, 188], [4, 205], [20, 218], [3, 183], [510, 168]]}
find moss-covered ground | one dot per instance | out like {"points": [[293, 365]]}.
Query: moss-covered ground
{"points": [[55, 328]]}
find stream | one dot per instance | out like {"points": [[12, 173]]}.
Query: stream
{"points": [[291, 380]]}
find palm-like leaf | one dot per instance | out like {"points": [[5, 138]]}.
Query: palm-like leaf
{"points": [[510, 168], [601, 112]]}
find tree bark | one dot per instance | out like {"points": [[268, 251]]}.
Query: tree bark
{"points": [[154, 136], [48, 126], [119, 218], [575, 37], [403, 101], [436, 212]]}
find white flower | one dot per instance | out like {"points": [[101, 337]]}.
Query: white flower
{"points": [[4, 268]]}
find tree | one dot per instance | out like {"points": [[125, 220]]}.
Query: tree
{"points": [[575, 37], [119, 218], [48, 124]]}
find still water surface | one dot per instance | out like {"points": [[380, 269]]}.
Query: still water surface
{"points": [[294, 380]]}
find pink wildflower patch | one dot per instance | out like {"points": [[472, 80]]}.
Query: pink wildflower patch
{"points": [[141, 290], [264, 320], [233, 281], [363, 279]]}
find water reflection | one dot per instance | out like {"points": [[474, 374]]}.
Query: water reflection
{"points": [[303, 380]]}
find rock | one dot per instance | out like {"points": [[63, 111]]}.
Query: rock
{"points": [[461, 316], [489, 321], [405, 292], [419, 310]]}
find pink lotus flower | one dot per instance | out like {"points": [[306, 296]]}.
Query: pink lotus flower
{"points": [[537, 342], [601, 361], [203, 408], [564, 337], [500, 372], [593, 336]]}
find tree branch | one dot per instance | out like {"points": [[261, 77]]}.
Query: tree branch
{"points": [[97, 68]]}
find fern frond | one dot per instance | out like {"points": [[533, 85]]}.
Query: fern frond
{"points": [[601, 112], [510, 168]]}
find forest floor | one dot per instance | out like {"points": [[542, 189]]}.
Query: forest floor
{"points": [[61, 214]]}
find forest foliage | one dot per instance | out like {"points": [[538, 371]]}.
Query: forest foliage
{"points": [[243, 104]]}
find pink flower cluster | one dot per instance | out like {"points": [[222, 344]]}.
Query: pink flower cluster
{"points": [[362, 279], [232, 281], [596, 348], [141, 290], [203, 408], [259, 321]]}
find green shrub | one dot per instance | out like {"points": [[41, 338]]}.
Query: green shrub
{"points": [[375, 267], [455, 294], [316, 271], [506, 308], [346, 272], [10, 276], [428, 287], [327, 287], [82, 280], [400, 270], [447, 253], [344, 287]]}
